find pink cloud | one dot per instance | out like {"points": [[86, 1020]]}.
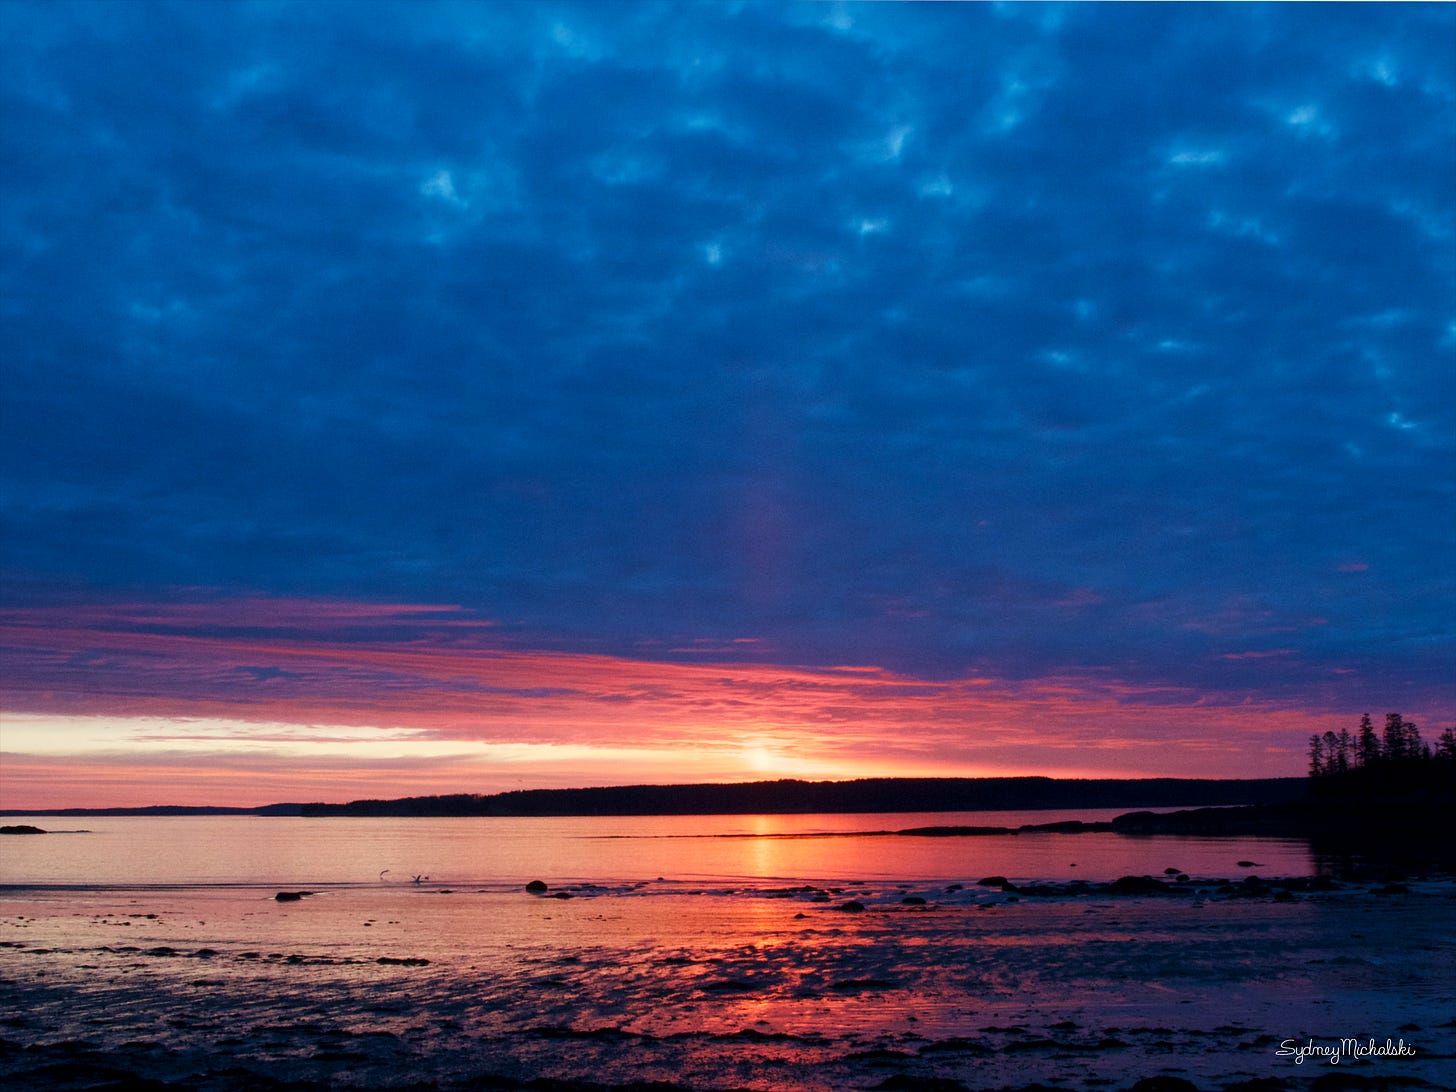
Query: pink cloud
{"points": [[441, 673]]}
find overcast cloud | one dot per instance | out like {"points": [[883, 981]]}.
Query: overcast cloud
{"points": [[948, 339]]}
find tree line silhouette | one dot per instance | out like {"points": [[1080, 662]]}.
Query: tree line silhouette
{"points": [[1367, 762]]}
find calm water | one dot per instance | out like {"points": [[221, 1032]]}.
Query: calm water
{"points": [[611, 850], [161, 942]]}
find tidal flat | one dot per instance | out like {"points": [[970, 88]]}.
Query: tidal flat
{"points": [[677, 985]]}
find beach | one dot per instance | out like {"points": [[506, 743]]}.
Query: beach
{"points": [[732, 986]]}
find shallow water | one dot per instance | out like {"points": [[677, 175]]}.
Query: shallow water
{"points": [[715, 987], [771, 848], [772, 953]]}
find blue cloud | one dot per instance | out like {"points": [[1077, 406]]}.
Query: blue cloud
{"points": [[880, 333]]}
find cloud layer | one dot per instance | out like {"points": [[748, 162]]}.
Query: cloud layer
{"points": [[955, 341]]}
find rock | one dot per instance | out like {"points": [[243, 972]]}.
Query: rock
{"points": [[1136, 885], [957, 1045], [1022, 1045], [1044, 890], [1164, 1083], [1347, 1082], [912, 900], [21, 829], [853, 906], [729, 985], [855, 985], [536, 887], [902, 1082], [1171, 871], [291, 896], [993, 881], [1250, 864], [561, 895]]}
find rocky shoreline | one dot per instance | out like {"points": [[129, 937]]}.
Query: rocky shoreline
{"points": [[1150, 984]]}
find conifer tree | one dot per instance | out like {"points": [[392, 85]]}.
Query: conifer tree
{"points": [[1393, 744], [1368, 743], [1348, 758]]}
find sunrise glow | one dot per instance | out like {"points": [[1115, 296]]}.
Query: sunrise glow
{"points": [[434, 398]]}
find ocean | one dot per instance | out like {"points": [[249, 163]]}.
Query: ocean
{"points": [[195, 850], [772, 953]]}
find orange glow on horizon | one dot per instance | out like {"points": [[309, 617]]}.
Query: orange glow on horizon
{"points": [[301, 703]]}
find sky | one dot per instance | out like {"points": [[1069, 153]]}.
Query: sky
{"points": [[405, 398]]}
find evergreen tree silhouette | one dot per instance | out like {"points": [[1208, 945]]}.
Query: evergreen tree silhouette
{"points": [[1368, 743]]}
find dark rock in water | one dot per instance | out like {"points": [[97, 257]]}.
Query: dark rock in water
{"points": [[903, 1082], [957, 1045], [1066, 826], [1171, 871], [853, 906], [21, 829], [729, 985], [1346, 1082], [1022, 1045], [561, 895], [291, 896], [912, 900], [1250, 864], [952, 832], [1164, 1083], [407, 961], [536, 887], [879, 1057], [1045, 890], [1136, 885], [992, 881]]}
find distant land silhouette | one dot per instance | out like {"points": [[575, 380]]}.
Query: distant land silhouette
{"points": [[1391, 807], [881, 794]]}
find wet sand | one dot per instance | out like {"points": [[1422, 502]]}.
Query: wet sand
{"points": [[747, 987]]}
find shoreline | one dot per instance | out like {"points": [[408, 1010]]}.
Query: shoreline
{"points": [[713, 989], [780, 797]]}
